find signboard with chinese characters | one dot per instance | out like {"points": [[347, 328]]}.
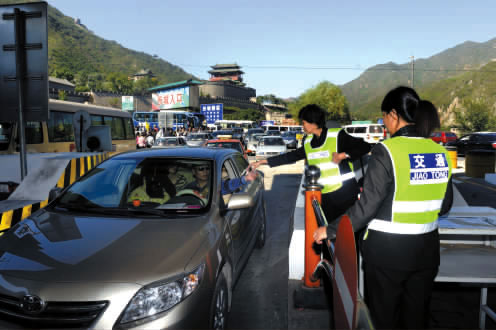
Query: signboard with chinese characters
{"points": [[127, 103], [212, 112], [171, 99]]}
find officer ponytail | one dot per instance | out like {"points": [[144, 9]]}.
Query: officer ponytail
{"points": [[412, 109]]}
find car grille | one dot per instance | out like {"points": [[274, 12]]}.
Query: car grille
{"points": [[273, 153], [56, 314]]}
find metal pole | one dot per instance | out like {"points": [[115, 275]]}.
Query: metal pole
{"points": [[413, 71], [20, 73]]}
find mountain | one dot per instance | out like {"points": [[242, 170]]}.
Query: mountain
{"points": [[365, 93], [77, 54]]}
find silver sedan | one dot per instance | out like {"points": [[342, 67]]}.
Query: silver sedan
{"points": [[145, 240]]}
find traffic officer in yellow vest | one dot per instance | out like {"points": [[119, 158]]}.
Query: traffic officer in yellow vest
{"points": [[331, 149], [406, 187]]}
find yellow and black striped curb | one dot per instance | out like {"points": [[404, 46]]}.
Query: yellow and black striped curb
{"points": [[75, 169]]}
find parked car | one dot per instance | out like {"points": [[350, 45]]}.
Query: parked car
{"points": [[443, 137], [289, 138], [252, 143], [197, 139], [169, 142], [270, 146], [228, 143], [96, 258], [371, 133], [478, 140]]}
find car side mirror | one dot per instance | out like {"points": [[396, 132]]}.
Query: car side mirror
{"points": [[240, 201], [54, 193]]}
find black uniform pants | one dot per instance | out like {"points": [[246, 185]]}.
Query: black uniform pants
{"points": [[398, 299]]}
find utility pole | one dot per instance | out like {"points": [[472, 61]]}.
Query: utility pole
{"points": [[413, 70]]}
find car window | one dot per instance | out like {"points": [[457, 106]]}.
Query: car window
{"points": [[227, 173], [240, 162], [487, 137], [375, 129], [360, 130]]}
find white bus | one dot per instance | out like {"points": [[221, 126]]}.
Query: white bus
{"points": [[244, 124]]}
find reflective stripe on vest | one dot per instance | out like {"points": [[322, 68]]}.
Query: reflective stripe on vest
{"points": [[402, 228], [322, 158], [421, 172]]}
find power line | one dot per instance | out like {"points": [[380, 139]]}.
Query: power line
{"points": [[295, 67]]}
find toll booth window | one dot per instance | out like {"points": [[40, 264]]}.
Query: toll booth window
{"points": [[5, 135], [34, 133], [60, 127], [116, 127], [96, 120]]}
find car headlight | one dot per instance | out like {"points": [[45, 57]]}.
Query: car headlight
{"points": [[158, 298], [261, 152]]}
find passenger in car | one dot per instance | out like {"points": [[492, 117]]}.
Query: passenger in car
{"points": [[154, 188]]}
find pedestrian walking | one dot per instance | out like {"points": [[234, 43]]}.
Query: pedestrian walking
{"points": [[406, 187]]}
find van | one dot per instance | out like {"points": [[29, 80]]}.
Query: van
{"points": [[371, 133]]}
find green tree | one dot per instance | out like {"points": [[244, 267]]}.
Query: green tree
{"points": [[326, 95], [141, 86], [475, 115]]}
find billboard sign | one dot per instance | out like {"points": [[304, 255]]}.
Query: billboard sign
{"points": [[212, 112], [127, 103], [267, 123], [171, 99]]}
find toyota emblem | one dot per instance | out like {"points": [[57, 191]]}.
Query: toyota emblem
{"points": [[32, 304]]}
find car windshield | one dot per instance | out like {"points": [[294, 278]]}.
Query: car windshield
{"points": [[288, 134], [229, 145], [255, 131], [375, 129], [166, 142], [275, 133], [197, 137], [258, 136], [123, 186], [272, 141]]}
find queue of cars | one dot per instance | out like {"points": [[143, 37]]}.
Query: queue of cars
{"points": [[132, 244]]}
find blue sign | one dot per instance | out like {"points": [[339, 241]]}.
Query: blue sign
{"points": [[267, 123], [428, 168], [212, 112], [380, 121]]}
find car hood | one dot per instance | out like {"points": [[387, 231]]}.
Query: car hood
{"points": [[69, 248]]}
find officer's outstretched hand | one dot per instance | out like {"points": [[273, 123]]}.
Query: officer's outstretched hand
{"points": [[251, 174]]}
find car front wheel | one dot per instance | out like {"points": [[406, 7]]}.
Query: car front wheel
{"points": [[263, 229], [219, 308]]}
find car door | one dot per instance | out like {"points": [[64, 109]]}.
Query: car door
{"points": [[249, 216], [232, 217]]}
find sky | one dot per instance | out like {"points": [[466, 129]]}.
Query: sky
{"points": [[287, 46]]}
